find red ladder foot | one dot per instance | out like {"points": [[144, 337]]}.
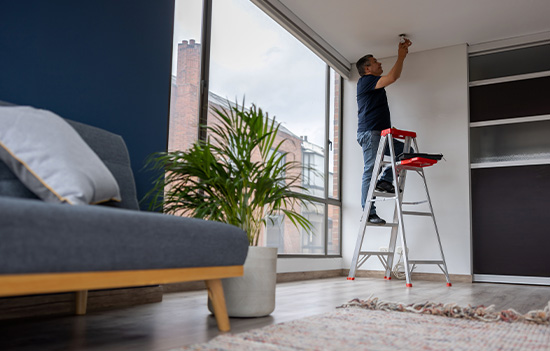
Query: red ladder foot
{"points": [[350, 278], [409, 285], [449, 284]]}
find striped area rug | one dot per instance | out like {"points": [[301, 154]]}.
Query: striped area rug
{"points": [[377, 325]]}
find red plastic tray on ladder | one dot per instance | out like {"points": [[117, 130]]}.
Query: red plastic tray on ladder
{"points": [[417, 162]]}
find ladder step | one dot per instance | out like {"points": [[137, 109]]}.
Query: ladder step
{"points": [[415, 202], [416, 213], [408, 168], [425, 262], [385, 195], [379, 253], [390, 225]]}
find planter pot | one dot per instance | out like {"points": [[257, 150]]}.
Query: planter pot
{"points": [[253, 294]]}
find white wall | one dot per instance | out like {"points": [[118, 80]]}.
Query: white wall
{"points": [[286, 265], [430, 98]]}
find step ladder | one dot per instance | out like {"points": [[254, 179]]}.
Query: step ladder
{"points": [[399, 171]]}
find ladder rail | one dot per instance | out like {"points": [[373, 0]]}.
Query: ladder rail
{"points": [[391, 248], [399, 185], [384, 261], [365, 215], [435, 226]]}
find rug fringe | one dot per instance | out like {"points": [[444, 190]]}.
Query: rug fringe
{"points": [[481, 312]]}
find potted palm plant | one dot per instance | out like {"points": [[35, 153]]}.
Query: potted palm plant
{"points": [[240, 176]]}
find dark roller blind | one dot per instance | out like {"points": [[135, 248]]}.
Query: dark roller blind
{"points": [[510, 221], [519, 98], [510, 63]]}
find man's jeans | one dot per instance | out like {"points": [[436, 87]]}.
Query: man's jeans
{"points": [[369, 141]]}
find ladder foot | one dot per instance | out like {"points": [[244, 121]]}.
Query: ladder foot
{"points": [[449, 284], [351, 278], [387, 278], [409, 285]]}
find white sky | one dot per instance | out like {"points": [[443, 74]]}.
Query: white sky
{"points": [[253, 57]]}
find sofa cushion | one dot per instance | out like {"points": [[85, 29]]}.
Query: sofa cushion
{"points": [[112, 150], [39, 237], [51, 159]]}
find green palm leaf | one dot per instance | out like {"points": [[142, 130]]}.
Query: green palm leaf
{"points": [[238, 176]]}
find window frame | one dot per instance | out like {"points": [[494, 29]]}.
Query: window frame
{"points": [[206, 32]]}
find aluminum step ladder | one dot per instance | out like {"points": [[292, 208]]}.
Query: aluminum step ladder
{"points": [[399, 171]]}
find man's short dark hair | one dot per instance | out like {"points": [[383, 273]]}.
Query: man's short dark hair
{"points": [[363, 61]]}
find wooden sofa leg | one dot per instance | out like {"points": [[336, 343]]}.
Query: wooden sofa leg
{"points": [[215, 293], [81, 301]]}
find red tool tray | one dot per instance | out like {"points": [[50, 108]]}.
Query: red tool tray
{"points": [[417, 162]]}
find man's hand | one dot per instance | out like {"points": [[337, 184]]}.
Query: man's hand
{"points": [[403, 49], [395, 72]]}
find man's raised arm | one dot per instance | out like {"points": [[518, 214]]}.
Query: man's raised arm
{"points": [[395, 72]]}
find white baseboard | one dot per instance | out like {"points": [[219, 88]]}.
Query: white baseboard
{"points": [[511, 279]]}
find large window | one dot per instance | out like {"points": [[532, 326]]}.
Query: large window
{"points": [[239, 53], [186, 75]]}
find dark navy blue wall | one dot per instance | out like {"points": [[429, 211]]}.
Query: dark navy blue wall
{"points": [[102, 62]]}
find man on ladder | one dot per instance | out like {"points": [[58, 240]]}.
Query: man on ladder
{"points": [[374, 116], [377, 138]]}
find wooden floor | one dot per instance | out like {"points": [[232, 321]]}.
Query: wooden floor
{"points": [[183, 318]]}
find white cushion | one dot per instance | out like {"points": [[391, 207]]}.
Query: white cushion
{"points": [[51, 159]]}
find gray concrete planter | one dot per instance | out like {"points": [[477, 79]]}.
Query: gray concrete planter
{"points": [[253, 294]]}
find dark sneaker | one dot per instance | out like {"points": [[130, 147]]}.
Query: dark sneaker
{"points": [[385, 187], [374, 219]]}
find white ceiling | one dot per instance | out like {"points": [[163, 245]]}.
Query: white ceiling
{"points": [[357, 27]]}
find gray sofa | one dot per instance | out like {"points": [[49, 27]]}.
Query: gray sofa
{"points": [[47, 248]]}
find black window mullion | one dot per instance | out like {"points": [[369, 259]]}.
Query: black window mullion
{"points": [[205, 67], [327, 153]]}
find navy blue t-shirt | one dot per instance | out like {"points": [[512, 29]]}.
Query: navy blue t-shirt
{"points": [[374, 112]]}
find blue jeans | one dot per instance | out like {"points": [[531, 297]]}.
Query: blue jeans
{"points": [[369, 141]]}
